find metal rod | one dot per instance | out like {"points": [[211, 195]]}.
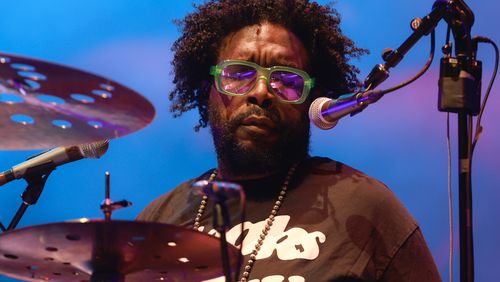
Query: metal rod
{"points": [[220, 210], [17, 217], [108, 187], [107, 200], [465, 200]]}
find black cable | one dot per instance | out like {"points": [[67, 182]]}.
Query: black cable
{"points": [[479, 128], [420, 73], [450, 198]]}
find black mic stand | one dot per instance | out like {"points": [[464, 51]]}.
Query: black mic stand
{"points": [[221, 222], [459, 92], [219, 191], [36, 178]]}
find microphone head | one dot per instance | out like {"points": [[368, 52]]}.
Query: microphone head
{"points": [[94, 150], [217, 189], [315, 114]]}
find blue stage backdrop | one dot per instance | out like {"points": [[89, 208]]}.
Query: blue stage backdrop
{"points": [[401, 140]]}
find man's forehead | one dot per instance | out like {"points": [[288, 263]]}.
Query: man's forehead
{"points": [[266, 44]]}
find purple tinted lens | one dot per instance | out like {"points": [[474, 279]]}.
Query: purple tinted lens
{"points": [[287, 85], [238, 79]]}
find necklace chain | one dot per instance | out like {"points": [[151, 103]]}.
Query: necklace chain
{"points": [[267, 226]]}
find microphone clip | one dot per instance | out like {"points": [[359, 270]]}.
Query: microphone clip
{"points": [[36, 177]]}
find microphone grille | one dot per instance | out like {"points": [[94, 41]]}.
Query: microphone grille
{"points": [[315, 114], [216, 189], [94, 150]]}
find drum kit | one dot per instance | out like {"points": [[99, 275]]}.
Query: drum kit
{"points": [[45, 105]]}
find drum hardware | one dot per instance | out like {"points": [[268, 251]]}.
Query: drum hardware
{"points": [[108, 206], [105, 251], [112, 251]]}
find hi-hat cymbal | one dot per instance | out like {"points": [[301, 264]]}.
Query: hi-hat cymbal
{"points": [[130, 251], [45, 105]]}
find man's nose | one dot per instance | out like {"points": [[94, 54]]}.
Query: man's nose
{"points": [[260, 94]]}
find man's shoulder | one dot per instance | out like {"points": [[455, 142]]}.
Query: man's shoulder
{"points": [[340, 176], [368, 211], [364, 194]]}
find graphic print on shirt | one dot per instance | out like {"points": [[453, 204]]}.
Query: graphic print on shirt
{"points": [[294, 243]]}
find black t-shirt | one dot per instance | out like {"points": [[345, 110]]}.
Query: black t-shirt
{"points": [[335, 224]]}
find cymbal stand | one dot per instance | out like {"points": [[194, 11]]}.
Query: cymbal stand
{"points": [[107, 207], [106, 259]]}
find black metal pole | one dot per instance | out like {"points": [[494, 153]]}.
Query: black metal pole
{"points": [[465, 200], [222, 220], [17, 217], [107, 197]]}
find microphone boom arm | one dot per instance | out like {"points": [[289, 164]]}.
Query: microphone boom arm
{"points": [[449, 10]]}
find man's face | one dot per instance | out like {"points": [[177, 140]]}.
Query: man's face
{"points": [[257, 133]]}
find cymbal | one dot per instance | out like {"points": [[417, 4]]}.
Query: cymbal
{"points": [[45, 105], [133, 250]]}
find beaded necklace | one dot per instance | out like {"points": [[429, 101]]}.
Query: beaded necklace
{"points": [[265, 230]]}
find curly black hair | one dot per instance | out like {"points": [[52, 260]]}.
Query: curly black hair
{"points": [[315, 25]]}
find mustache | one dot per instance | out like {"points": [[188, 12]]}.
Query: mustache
{"points": [[271, 114]]}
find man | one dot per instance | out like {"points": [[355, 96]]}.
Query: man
{"points": [[248, 67]]}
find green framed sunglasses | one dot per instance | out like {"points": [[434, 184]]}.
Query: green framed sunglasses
{"points": [[237, 78]]}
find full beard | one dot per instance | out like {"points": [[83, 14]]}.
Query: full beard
{"points": [[262, 157]]}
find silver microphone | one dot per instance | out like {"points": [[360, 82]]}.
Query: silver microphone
{"points": [[58, 156], [325, 112]]}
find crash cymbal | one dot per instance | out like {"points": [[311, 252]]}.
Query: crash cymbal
{"points": [[45, 105], [132, 250]]}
